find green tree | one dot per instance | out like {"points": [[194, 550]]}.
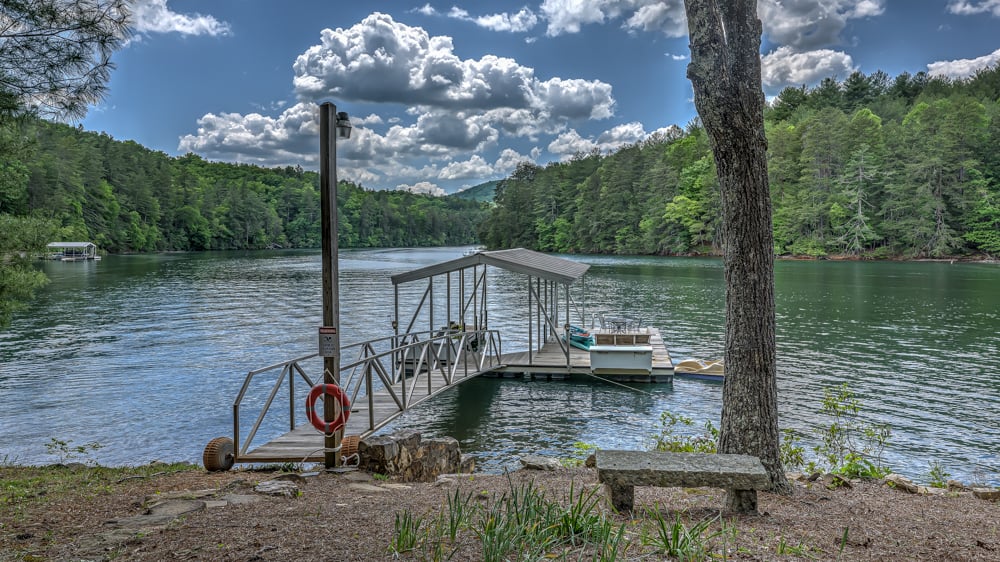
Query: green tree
{"points": [[55, 55], [21, 240], [984, 221], [854, 228]]}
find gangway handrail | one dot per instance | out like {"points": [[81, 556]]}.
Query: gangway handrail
{"points": [[412, 355]]}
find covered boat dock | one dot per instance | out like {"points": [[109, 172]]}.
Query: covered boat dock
{"points": [[72, 251], [552, 311]]}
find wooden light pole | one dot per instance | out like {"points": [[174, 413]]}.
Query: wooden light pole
{"points": [[330, 125]]}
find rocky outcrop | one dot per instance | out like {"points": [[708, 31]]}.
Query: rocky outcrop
{"points": [[901, 483], [405, 456]]}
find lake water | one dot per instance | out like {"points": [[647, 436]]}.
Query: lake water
{"points": [[144, 354]]}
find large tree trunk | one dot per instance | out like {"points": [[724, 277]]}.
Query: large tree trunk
{"points": [[725, 73]]}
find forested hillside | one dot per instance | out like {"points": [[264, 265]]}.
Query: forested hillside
{"points": [[483, 192], [127, 198], [869, 167]]}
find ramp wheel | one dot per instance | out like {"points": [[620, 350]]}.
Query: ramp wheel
{"points": [[218, 455], [349, 445]]}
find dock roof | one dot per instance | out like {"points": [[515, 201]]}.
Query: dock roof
{"points": [[71, 244], [518, 260]]}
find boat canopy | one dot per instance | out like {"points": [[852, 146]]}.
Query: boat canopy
{"points": [[518, 260], [71, 245]]}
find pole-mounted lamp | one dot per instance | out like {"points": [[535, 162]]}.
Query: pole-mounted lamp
{"points": [[343, 125], [329, 332]]}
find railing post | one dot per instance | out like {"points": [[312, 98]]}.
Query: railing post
{"points": [[371, 398], [291, 396]]}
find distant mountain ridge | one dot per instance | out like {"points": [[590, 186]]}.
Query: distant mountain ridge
{"points": [[484, 192]]}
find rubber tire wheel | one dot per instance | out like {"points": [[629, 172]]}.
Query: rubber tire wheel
{"points": [[218, 455]]}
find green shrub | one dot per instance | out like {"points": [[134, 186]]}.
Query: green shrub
{"points": [[669, 440]]}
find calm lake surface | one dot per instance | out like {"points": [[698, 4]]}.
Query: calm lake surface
{"points": [[144, 354]]}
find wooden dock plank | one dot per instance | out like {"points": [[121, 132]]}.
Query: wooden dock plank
{"points": [[551, 358]]}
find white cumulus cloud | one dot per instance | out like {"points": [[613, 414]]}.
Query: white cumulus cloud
{"points": [[522, 21], [255, 138], [424, 187], [153, 16], [785, 67], [570, 143], [963, 68], [448, 111], [474, 167], [382, 60], [666, 17], [510, 158], [967, 8], [568, 16], [426, 10], [809, 24]]}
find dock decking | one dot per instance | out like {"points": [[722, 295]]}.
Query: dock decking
{"points": [[550, 363]]}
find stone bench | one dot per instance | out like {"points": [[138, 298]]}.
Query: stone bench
{"points": [[622, 471]]}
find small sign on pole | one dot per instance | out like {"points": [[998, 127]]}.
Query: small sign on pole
{"points": [[327, 347]]}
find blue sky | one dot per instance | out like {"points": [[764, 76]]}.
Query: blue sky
{"points": [[445, 95]]}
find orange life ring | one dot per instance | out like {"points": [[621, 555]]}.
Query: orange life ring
{"points": [[316, 420]]}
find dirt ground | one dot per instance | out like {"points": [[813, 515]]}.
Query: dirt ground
{"points": [[351, 517]]}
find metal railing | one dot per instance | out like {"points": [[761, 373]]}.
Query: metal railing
{"points": [[409, 368]]}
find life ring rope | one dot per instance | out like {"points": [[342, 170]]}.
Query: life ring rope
{"points": [[317, 421]]}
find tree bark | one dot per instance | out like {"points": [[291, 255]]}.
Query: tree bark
{"points": [[725, 73]]}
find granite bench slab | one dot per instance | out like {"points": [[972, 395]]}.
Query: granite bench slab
{"points": [[622, 471]]}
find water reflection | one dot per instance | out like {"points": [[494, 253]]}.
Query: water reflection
{"points": [[145, 354]]}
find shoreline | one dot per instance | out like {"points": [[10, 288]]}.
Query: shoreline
{"points": [[162, 512]]}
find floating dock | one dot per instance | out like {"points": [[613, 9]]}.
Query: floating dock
{"points": [[550, 363]]}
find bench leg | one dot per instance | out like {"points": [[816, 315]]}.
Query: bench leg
{"points": [[741, 501], [622, 497]]}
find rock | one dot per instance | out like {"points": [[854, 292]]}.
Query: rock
{"points": [[931, 491], [176, 508], [991, 494], [832, 481], [404, 456], [538, 462], [468, 464], [156, 499], [160, 514], [795, 476], [240, 499], [277, 488], [591, 461], [841, 482], [439, 455], [444, 481], [901, 482], [956, 486]]}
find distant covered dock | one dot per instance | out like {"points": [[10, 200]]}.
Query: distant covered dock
{"points": [[72, 251]]}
